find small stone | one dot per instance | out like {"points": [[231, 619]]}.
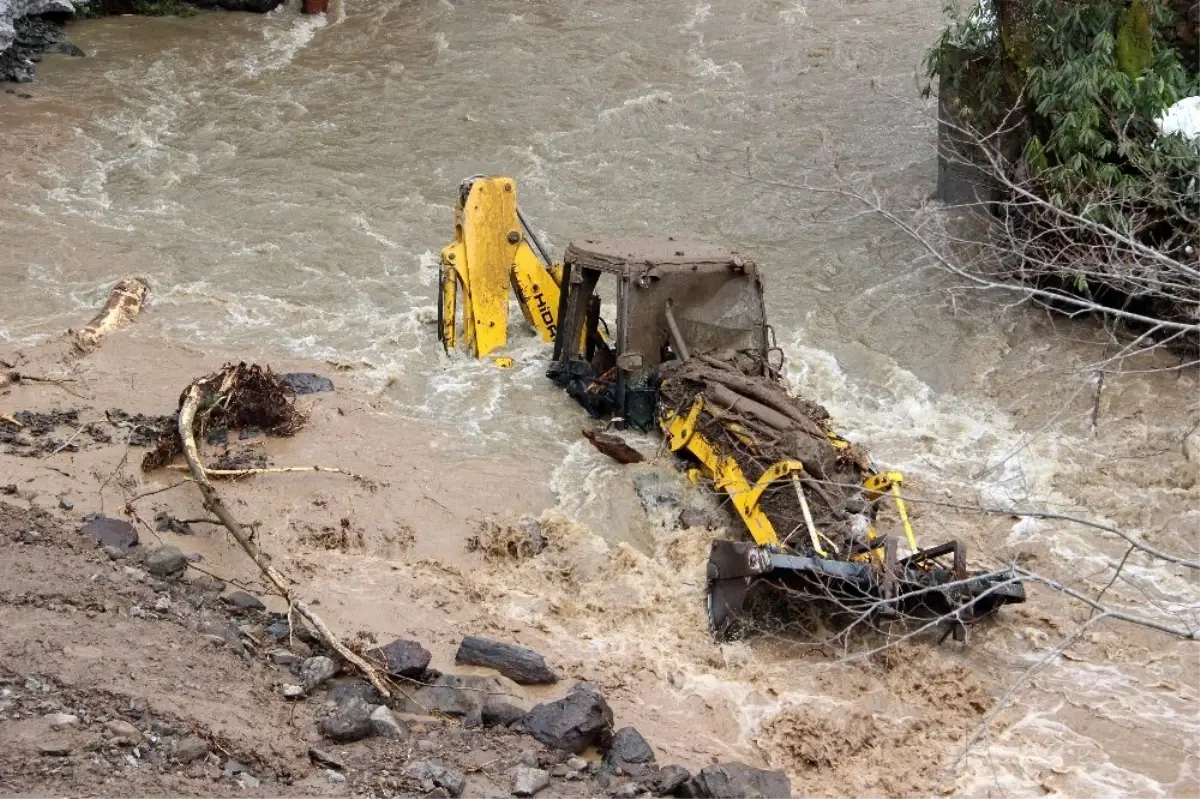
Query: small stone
{"points": [[233, 767], [426, 745], [559, 771], [323, 757], [188, 749], [65, 503], [114, 553], [292, 691], [577, 764], [528, 781], [166, 561], [248, 781], [500, 714], [448, 778], [243, 601], [163, 603], [125, 732], [385, 724], [350, 722], [316, 671], [60, 720], [334, 777], [282, 657], [627, 791], [438, 793], [54, 748]]}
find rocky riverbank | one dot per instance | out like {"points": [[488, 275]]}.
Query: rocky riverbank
{"points": [[30, 29], [149, 675]]}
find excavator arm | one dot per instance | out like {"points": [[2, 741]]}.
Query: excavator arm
{"points": [[493, 251]]}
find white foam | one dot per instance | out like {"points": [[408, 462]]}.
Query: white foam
{"points": [[284, 41]]}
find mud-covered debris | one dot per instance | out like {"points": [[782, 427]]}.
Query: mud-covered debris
{"points": [[528, 781], [243, 601], [613, 446], [305, 382], [143, 430], [54, 747], [521, 665], [166, 523], [350, 721], [189, 749], [323, 757], [628, 746], [442, 776], [498, 541], [655, 493], [580, 719], [466, 696], [345, 689], [403, 658], [237, 397], [501, 714], [110, 532], [737, 781]]}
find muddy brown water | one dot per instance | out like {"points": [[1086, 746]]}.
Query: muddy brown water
{"points": [[285, 183]]}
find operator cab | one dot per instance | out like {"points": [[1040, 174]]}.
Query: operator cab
{"points": [[674, 299]]}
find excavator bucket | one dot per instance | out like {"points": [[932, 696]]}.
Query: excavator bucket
{"points": [[476, 268], [493, 249]]}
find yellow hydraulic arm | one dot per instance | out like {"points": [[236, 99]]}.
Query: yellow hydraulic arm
{"points": [[490, 253]]}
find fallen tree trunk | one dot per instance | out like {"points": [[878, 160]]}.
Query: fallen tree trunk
{"points": [[124, 303], [212, 502]]}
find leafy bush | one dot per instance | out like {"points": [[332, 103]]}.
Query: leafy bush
{"points": [[1067, 94]]}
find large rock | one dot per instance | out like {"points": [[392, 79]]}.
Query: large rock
{"points": [[385, 724], [737, 781], [13, 10], [669, 779], [471, 697], [580, 719], [351, 721], [628, 746], [403, 658], [521, 665]]}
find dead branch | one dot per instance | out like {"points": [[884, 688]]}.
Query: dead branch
{"points": [[272, 470], [213, 503]]}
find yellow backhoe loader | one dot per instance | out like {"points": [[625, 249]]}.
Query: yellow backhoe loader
{"points": [[691, 353]]}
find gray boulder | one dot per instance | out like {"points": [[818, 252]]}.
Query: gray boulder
{"points": [[521, 665], [470, 697], [737, 781], [351, 721], [580, 719]]}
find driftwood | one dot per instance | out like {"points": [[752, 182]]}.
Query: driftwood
{"points": [[190, 404], [124, 303]]}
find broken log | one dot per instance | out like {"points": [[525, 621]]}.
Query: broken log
{"points": [[613, 446], [212, 502], [521, 665], [124, 303]]}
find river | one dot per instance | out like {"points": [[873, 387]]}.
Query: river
{"points": [[285, 183]]}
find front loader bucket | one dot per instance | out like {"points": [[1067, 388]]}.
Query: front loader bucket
{"points": [[909, 589]]}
